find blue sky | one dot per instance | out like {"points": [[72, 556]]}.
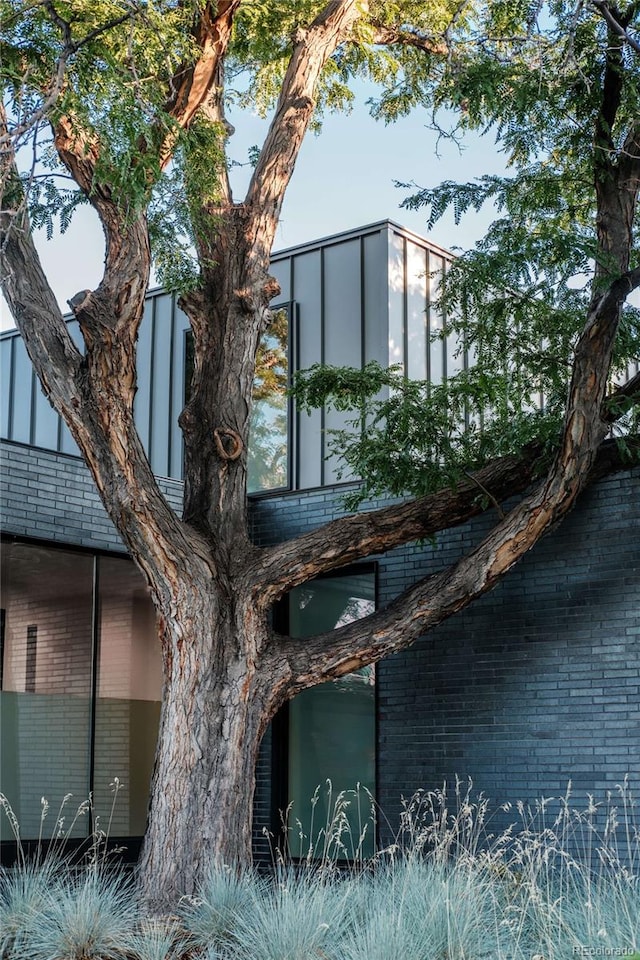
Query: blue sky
{"points": [[343, 179]]}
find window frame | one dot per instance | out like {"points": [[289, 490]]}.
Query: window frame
{"points": [[291, 309], [279, 798], [128, 847]]}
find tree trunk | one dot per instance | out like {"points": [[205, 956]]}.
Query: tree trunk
{"points": [[217, 703]]}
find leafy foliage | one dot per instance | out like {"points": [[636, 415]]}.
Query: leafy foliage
{"points": [[517, 303], [263, 43], [418, 437], [107, 68]]}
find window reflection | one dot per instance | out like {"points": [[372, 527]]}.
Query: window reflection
{"points": [[46, 683], [332, 726], [50, 745], [128, 698], [268, 435]]}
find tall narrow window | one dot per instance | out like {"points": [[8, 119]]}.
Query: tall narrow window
{"points": [[32, 655], [267, 461], [269, 433], [332, 726], [2, 627]]}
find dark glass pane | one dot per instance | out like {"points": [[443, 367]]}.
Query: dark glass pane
{"points": [[332, 726], [128, 703], [46, 685]]}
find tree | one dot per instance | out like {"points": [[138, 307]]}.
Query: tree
{"points": [[134, 96]]}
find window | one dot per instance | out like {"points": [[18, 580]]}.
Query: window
{"points": [[330, 728], [128, 698], [267, 461], [267, 467], [45, 704], [81, 688]]}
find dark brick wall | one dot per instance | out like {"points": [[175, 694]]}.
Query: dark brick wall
{"points": [[534, 684], [52, 496]]}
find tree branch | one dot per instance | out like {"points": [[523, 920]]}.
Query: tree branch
{"points": [[629, 163], [69, 48], [118, 301], [383, 35], [94, 394], [351, 538], [194, 83], [27, 290], [312, 48], [612, 86], [436, 597], [617, 24]]}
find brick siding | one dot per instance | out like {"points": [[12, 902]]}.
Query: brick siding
{"points": [[534, 684]]}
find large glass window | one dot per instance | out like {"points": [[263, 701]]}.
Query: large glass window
{"points": [[80, 688], [332, 726], [45, 703]]}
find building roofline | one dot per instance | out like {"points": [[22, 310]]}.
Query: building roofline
{"points": [[354, 232], [308, 245]]}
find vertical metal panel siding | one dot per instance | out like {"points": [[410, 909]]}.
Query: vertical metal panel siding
{"points": [[6, 385], [161, 386], [454, 349], [396, 296], [437, 347], [20, 427], [142, 403], [280, 269], [323, 411], [375, 306], [342, 327], [416, 332], [47, 422], [180, 324], [66, 443], [307, 295]]}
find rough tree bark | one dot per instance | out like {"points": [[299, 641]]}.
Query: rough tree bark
{"points": [[225, 672]]}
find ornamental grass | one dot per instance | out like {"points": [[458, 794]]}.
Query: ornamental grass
{"points": [[561, 881]]}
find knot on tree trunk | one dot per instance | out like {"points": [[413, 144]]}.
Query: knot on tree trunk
{"points": [[80, 301], [228, 443], [83, 306]]}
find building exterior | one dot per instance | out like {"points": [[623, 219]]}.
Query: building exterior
{"points": [[535, 684]]}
